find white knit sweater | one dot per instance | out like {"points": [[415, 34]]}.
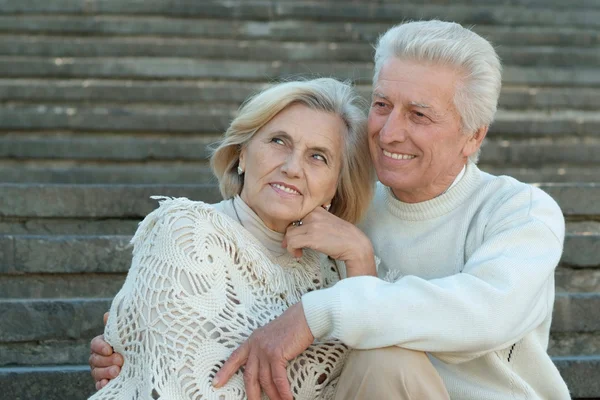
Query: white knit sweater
{"points": [[198, 286], [474, 287]]}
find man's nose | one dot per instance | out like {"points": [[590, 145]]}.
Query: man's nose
{"points": [[394, 129]]}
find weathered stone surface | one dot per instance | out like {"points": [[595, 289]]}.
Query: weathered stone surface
{"points": [[536, 152], [112, 118], [533, 123], [572, 343], [66, 226], [576, 312], [93, 201], [127, 91], [93, 173], [168, 68], [582, 375], [72, 382], [582, 250], [106, 147], [575, 198], [577, 280], [549, 98], [63, 285], [560, 174], [260, 50], [28, 320], [290, 29], [68, 254], [51, 352], [464, 13]]}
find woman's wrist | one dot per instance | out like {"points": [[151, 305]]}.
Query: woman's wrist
{"points": [[362, 262]]}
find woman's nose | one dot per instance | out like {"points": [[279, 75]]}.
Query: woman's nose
{"points": [[292, 166]]}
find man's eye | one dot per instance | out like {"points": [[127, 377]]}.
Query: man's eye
{"points": [[380, 104], [419, 114], [277, 140]]}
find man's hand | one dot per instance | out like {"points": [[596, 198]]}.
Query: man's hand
{"points": [[266, 353], [339, 239], [105, 364]]}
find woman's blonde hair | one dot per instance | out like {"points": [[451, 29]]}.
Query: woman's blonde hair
{"points": [[355, 184]]}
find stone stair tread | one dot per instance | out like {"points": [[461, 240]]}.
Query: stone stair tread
{"points": [[289, 29], [109, 200], [81, 318], [60, 286], [92, 147], [216, 119], [518, 14], [74, 382], [559, 173], [186, 68], [259, 50], [199, 92]]}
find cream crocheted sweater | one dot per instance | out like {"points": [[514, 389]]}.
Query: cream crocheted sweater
{"points": [[198, 286]]}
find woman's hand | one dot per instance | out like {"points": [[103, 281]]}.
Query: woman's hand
{"points": [[339, 239], [105, 363]]}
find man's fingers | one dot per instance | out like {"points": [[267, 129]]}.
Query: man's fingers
{"points": [[251, 379], [99, 346], [107, 373], [105, 318], [280, 379], [233, 363], [266, 381]]}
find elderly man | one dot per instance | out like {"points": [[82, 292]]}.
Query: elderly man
{"points": [[463, 303]]}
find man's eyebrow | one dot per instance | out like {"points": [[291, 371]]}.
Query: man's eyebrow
{"points": [[380, 95], [419, 104]]}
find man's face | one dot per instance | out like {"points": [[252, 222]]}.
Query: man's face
{"points": [[415, 136]]}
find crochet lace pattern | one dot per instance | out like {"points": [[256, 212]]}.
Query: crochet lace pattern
{"points": [[198, 286]]}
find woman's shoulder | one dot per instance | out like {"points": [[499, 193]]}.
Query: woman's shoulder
{"points": [[176, 213]]}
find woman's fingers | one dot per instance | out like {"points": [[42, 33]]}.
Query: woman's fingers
{"points": [[100, 347], [105, 318], [100, 361], [280, 380], [106, 373], [266, 380]]}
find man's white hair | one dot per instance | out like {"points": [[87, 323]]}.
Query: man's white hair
{"points": [[447, 43]]}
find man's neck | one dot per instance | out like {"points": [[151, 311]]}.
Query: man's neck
{"points": [[429, 193]]}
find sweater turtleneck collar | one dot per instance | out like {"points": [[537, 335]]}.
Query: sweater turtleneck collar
{"points": [[270, 239], [462, 189]]}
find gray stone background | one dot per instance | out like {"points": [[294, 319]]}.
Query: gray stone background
{"points": [[106, 102]]}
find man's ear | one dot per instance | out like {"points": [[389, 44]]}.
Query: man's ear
{"points": [[474, 142]]}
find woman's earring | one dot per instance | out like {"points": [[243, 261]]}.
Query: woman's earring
{"points": [[240, 171], [327, 207]]}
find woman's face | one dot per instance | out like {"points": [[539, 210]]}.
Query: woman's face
{"points": [[292, 165]]}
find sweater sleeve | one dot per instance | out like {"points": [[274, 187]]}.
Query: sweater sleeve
{"points": [[502, 293]]}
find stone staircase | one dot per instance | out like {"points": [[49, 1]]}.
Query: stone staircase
{"points": [[106, 102]]}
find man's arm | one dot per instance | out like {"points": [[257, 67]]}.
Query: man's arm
{"points": [[502, 293]]}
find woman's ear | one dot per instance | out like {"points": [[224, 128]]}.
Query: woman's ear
{"points": [[242, 162]]}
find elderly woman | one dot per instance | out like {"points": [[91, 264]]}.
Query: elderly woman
{"points": [[205, 277]]}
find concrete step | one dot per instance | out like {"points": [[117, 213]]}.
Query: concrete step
{"points": [[188, 68], [61, 286], [577, 200], [28, 320], [161, 147], [68, 226], [259, 50], [111, 253], [75, 382], [548, 173], [520, 14], [70, 172], [215, 119], [290, 29], [233, 93], [72, 382], [93, 201]]}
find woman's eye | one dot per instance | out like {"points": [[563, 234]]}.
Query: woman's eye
{"points": [[320, 157], [277, 140]]}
